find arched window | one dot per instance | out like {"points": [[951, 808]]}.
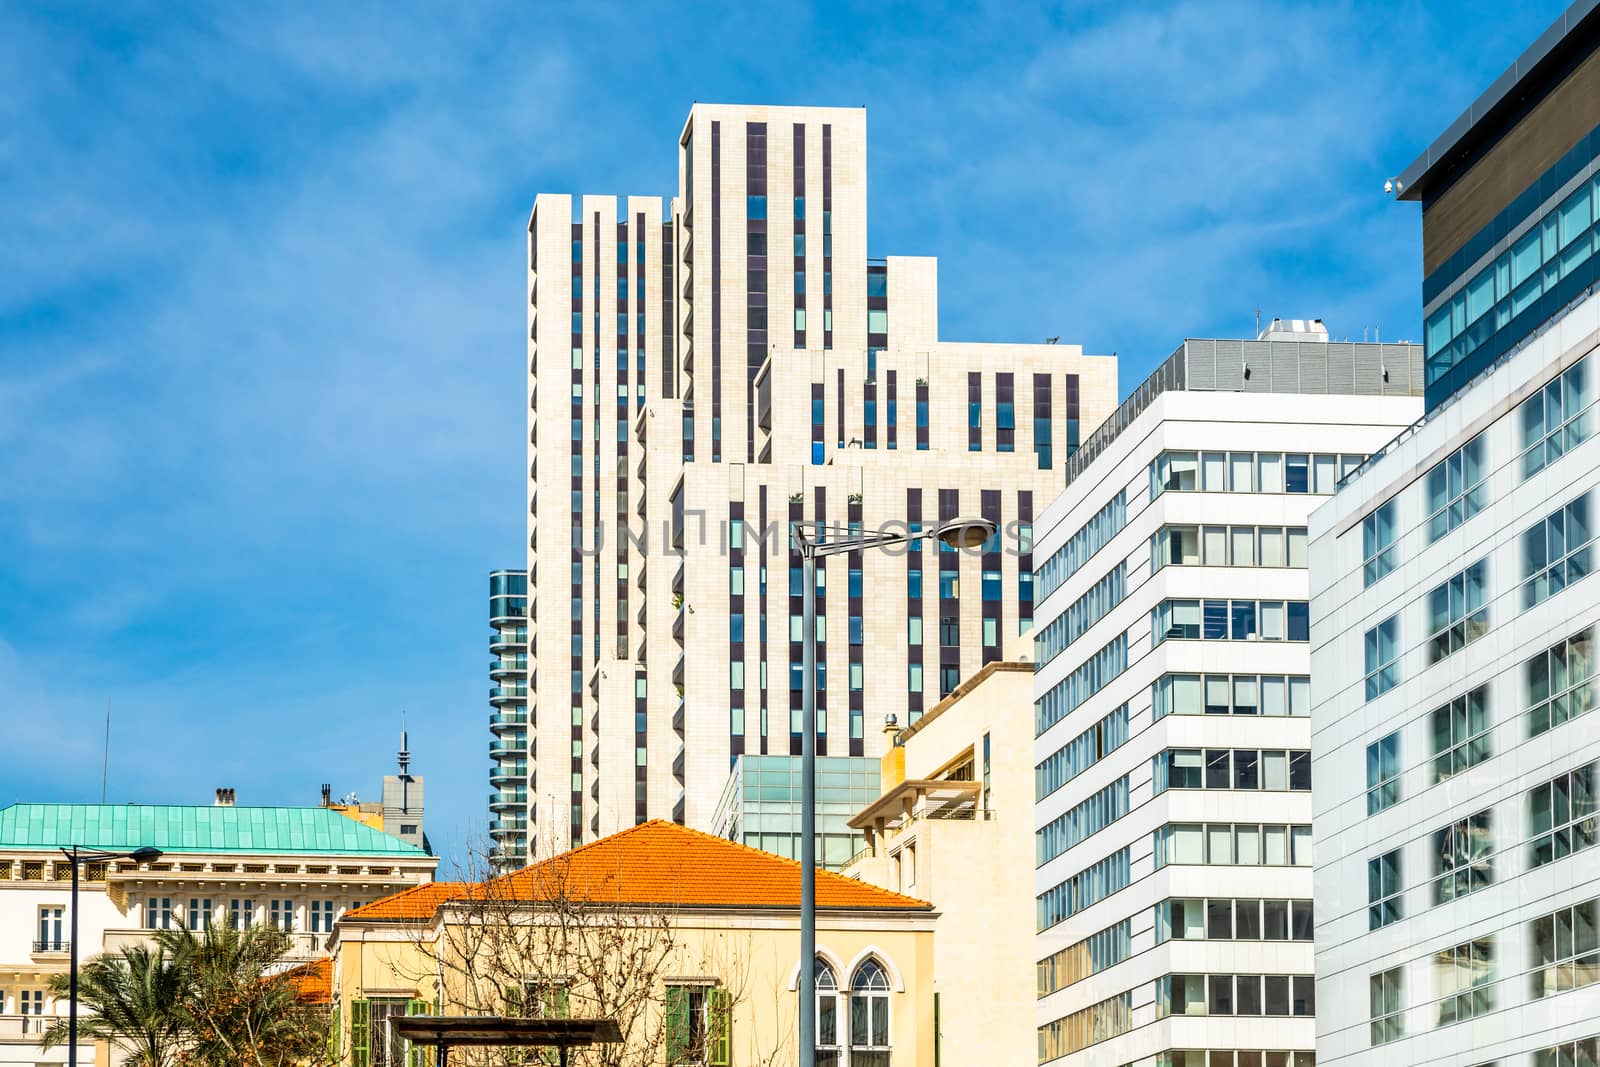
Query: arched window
{"points": [[828, 1051], [869, 1016]]}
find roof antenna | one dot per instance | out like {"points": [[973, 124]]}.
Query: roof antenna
{"points": [[1258, 320], [405, 753], [105, 761]]}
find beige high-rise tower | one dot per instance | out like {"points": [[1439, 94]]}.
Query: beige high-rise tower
{"points": [[702, 372]]}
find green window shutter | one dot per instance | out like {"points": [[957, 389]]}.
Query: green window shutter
{"points": [[677, 1024], [360, 1033], [415, 1053], [936, 1001], [513, 1000], [719, 1017], [333, 1034], [555, 1002]]}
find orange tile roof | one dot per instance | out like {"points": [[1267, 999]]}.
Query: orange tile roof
{"points": [[313, 982], [654, 863], [416, 904]]}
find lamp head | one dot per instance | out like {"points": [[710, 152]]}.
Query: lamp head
{"points": [[963, 533], [147, 854]]}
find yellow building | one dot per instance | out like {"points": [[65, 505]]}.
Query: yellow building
{"points": [[955, 826], [689, 941]]}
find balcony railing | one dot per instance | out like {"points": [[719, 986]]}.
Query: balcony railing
{"points": [[24, 1025], [52, 945]]}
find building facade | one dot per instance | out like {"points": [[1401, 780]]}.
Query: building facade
{"points": [[1172, 697], [712, 929], [953, 825], [664, 469], [760, 805], [508, 711], [1453, 631], [296, 868]]}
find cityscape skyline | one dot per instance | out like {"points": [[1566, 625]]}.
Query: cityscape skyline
{"points": [[141, 474]]}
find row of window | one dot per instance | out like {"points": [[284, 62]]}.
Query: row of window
{"points": [[1230, 620], [1236, 1058], [1093, 674], [1241, 919], [1249, 472], [1090, 538], [1083, 613], [1235, 994], [1231, 694], [1089, 886], [1092, 955], [1463, 862], [242, 912], [1228, 546], [1098, 1022], [1233, 844], [1272, 770], [1081, 753], [1077, 823]]}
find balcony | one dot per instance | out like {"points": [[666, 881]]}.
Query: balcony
{"points": [[19, 1026], [508, 667], [677, 764], [501, 719], [677, 717], [54, 946], [508, 773], [502, 640], [506, 746], [508, 801], [511, 824], [501, 695]]}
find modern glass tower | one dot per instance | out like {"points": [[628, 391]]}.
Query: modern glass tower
{"points": [[508, 712]]}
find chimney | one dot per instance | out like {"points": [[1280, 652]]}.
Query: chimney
{"points": [[224, 798], [327, 795]]}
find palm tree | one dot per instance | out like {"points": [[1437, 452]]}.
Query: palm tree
{"points": [[136, 996]]}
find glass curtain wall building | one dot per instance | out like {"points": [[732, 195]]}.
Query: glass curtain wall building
{"points": [[1455, 759]]}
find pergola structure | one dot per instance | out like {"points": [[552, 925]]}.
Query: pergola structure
{"points": [[444, 1032]]}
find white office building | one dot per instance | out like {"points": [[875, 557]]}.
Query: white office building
{"points": [[1457, 887], [1173, 737]]}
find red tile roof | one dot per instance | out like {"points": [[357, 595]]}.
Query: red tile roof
{"points": [[313, 982], [654, 863]]}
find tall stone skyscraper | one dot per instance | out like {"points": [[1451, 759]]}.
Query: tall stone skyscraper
{"points": [[703, 371]]}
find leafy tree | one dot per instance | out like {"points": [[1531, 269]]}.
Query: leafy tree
{"points": [[135, 998]]}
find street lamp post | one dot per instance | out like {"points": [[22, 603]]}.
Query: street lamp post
{"points": [[74, 854], [814, 540]]}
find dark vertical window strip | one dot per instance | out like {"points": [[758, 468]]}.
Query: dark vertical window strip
{"points": [[877, 314], [922, 415], [716, 292], [669, 302], [855, 638], [624, 304], [761, 667], [818, 422], [838, 401], [914, 610], [869, 415], [575, 660], [820, 512], [949, 600], [736, 640], [1005, 413], [1072, 414], [800, 249], [796, 611], [827, 235], [892, 414], [639, 313], [1025, 561], [974, 412], [1043, 423], [756, 254], [598, 260], [641, 748], [989, 579]]}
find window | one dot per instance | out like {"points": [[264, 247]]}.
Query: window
{"points": [[322, 916], [1463, 858], [1229, 994], [697, 1030], [1581, 1053], [283, 915], [50, 930], [199, 913], [1382, 651], [869, 1016], [158, 913], [1223, 844], [1089, 886], [1455, 488], [1378, 533], [1556, 418], [1098, 1022], [1561, 816], [1230, 620], [1386, 993], [1081, 753], [373, 1042], [1566, 952], [1555, 552], [1458, 612], [1461, 734], [241, 913], [828, 1050], [1464, 981], [1078, 823], [1239, 768], [1227, 919], [1384, 889], [1239, 694], [1558, 683], [1383, 773], [1176, 472]]}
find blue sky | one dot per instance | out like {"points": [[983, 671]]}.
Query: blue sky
{"points": [[261, 317]]}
